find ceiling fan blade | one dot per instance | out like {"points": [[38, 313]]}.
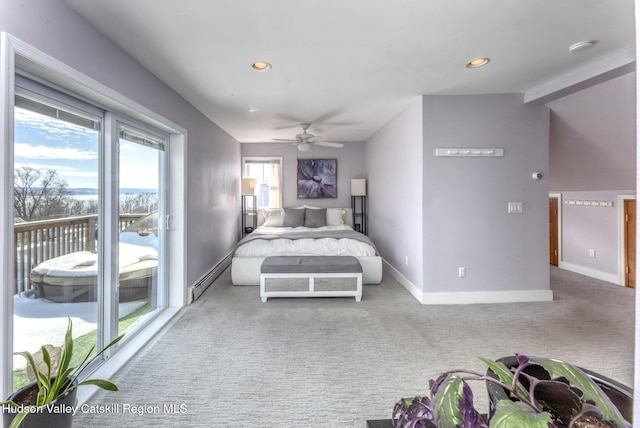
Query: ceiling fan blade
{"points": [[329, 144], [284, 139]]}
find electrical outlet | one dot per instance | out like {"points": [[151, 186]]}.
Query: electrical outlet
{"points": [[462, 272], [406, 260], [592, 253]]}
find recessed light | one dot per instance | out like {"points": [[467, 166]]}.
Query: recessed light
{"points": [[261, 66], [478, 62], [581, 45]]}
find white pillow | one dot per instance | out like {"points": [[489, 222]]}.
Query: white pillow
{"points": [[335, 216], [273, 217]]}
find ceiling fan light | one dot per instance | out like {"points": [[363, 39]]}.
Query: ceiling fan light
{"points": [[305, 147], [478, 62], [261, 66]]}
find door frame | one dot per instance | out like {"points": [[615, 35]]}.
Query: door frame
{"points": [[621, 238], [559, 197], [13, 51]]}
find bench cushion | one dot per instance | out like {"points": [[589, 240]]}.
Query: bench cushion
{"points": [[310, 264]]}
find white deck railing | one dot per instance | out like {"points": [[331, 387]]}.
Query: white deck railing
{"points": [[37, 241]]}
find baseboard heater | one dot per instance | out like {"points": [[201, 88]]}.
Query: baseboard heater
{"points": [[207, 279]]}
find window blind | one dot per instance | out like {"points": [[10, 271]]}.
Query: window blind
{"points": [[142, 138], [27, 100]]}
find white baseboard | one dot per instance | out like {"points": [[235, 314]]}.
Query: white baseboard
{"points": [[472, 297], [125, 352], [469, 297], [603, 276], [395, 273]]}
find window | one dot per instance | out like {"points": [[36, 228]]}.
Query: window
{"points": [[267, 171]]}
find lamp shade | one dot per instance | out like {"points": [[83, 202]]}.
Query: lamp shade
{"points": [[358, 187], [248, 186]]}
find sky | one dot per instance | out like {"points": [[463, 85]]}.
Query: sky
{"points": [[45, 143]]}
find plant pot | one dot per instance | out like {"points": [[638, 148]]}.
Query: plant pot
{"points": [[620, 395], [58, 414]]}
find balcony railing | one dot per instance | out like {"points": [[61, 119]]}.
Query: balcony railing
{"points": [[38, 241]]}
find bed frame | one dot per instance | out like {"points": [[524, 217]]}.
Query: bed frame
{"points": [[246, 270]]}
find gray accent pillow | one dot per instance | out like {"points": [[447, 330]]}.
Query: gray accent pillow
{"points": [[293, 217], [315, 217]]}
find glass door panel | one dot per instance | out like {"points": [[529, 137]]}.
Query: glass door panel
{"points": [[55, 216], [141, 255]]}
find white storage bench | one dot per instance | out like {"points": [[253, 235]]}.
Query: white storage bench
{"points": [[311, 268]]}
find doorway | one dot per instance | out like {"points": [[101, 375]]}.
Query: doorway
{"points": [[553, 231], [630, 243]]}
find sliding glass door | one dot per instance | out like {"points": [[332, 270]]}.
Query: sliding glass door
{"points": [[56, 212], [89, 224], [141, 212]]}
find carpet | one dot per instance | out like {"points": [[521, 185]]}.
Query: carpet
{"points": [[229, 360]]}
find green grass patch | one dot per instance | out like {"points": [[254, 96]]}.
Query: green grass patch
{"points": [[82, 344]]}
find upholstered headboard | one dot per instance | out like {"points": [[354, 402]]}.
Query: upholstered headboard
{"points": [[347, 217]]}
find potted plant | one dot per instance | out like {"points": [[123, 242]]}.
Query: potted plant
{"points": [[528, 392], [50, 400]]}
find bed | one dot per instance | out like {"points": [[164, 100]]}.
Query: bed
{"points": [[308, 231]]}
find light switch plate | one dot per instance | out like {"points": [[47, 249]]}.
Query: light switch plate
{"points": [[514, 208]]}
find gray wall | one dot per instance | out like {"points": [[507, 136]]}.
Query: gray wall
{"points": [[350, 162], [588, 227], [465, 199], [593, 157], [213, 156], [445, 213], [394, 165], [592, 138]]}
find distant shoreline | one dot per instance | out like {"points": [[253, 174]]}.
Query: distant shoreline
{"points": [[124, 191]]}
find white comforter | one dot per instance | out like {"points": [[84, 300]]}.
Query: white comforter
{"points": [[303, 247]]}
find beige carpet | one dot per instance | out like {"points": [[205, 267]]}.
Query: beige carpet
{"points": [[230, 360]]}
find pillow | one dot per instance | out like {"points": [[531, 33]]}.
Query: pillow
{"points": [[293, 217], [273, 217], [315, 217], [335, 216]]}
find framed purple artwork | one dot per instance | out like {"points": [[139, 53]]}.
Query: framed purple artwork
{"points": [[317, 178]]}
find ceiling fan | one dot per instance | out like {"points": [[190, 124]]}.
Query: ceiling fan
{"points": [[306, 141]]}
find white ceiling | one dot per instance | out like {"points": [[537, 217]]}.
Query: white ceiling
{"points": [[350, 66]]}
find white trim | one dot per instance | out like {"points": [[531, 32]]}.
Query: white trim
{"points": [[621, 255], [469, 297], [7, 88], [559, 196], [415, 291], [591, 74], [473, 297], [126, 352], [44, 66], [17, 54], [177, 230], [603, 276]]}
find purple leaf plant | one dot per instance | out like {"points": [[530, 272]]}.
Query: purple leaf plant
{"points": [[566, 398]]}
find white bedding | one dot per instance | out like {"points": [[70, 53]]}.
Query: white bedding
{"points": [[305, 247]]}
